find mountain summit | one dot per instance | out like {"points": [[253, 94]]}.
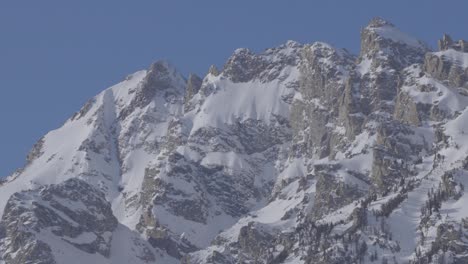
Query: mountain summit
{"points": [[304, 153]]}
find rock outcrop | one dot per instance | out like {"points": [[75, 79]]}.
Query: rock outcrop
{"points": [[71, 213]]}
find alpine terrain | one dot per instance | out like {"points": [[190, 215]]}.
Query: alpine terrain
{"points": [[300, 154]]}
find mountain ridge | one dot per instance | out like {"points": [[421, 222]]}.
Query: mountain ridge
{"points": [[299, 154]]}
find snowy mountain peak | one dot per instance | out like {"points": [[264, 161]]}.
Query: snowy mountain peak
{"points": [[242, 52], [161, 80], [164, 75], [378, 22], [292, 44], [384, 34], [299, 154], [245, 65], [382, 41]]}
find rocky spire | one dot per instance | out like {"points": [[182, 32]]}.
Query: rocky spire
{"points": [[447, 43], [213, 70], [194, 83]]}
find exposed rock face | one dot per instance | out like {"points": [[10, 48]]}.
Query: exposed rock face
{"points": [[243, 66], [72, 213], [406, 110], [254, 242], [393, 155], [161, 80], [395, 49], [299, 154], [449, 245], [443, 68], [331, 194], [36, 151], [324, 70], [193, 86]]}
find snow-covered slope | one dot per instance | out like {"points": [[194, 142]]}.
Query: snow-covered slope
{"points": [[300, 154]]}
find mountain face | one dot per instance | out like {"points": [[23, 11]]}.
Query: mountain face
{"points": [[300, 154]]}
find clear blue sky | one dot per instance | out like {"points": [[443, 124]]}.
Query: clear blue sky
{"points": [[54, 55]]}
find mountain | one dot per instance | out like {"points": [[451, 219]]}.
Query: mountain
{"points": [[300, 154]]}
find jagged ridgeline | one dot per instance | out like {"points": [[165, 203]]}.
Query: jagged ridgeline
{"points": [[300, 154]]}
